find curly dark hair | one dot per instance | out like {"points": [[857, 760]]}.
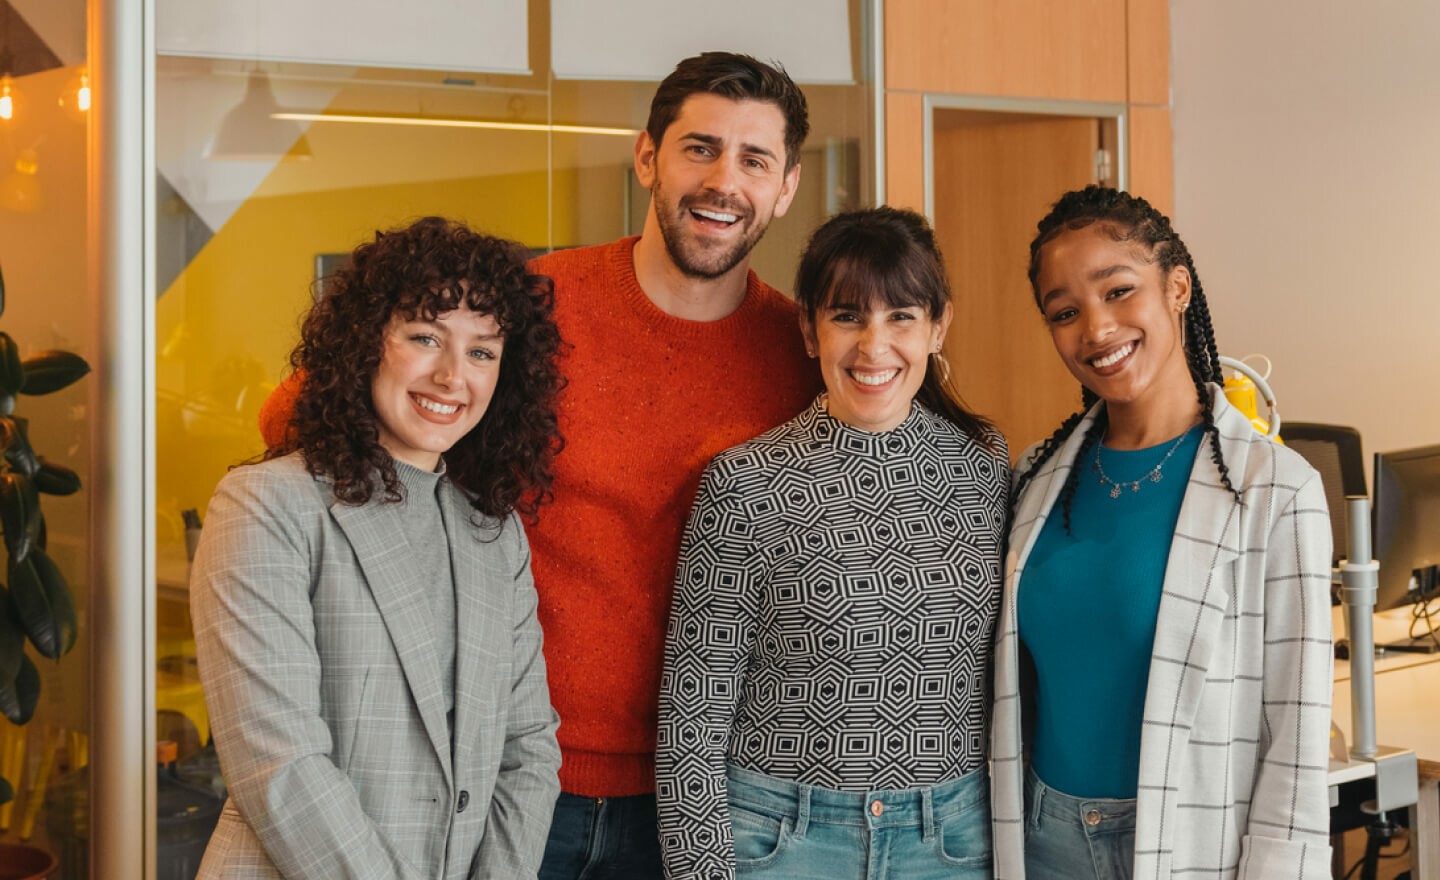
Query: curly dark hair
{"points": [[426, 269], [890, 255], [1129, 218]]}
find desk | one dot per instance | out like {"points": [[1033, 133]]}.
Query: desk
{"points": [[1407, 715]]}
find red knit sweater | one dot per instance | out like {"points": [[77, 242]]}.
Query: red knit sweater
{"points": [[651, 398]]}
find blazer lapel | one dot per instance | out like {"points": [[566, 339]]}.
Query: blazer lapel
{"points": [[482, 635], [372, 530]]}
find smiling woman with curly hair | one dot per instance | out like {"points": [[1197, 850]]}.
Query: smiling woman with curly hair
{"points": [[432, 267], [364, 612]]}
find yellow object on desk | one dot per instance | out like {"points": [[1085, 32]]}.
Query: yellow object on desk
{"points": [[1240, 391]]}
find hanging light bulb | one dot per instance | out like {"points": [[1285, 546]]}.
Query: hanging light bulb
{"points": [[19, 188], [7, 98], [75, 97]]}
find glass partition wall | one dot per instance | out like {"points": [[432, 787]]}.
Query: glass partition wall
{"points": [[266, 172], [45, 308]]}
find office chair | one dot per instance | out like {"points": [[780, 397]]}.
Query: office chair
{"points": [[1334, 451]]}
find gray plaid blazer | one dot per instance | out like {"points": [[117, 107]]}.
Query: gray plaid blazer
{"points": [[1233, 755], [316, 651]]}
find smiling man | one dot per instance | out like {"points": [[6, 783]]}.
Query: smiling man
{"points": [[678, 351]]}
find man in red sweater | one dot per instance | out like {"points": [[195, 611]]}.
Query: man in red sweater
{"points": [[677, 351]]}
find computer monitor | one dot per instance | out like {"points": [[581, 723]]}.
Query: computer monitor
{"points": [[1407, 527]]}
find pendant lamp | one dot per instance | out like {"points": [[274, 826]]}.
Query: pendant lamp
{"points": [[248, 131]]}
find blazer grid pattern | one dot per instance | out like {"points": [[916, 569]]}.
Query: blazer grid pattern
{"points": [[1234, 750], [317, 652]]}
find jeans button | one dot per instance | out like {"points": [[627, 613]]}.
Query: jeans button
{"points": [[876, 808], [1092, 817]]}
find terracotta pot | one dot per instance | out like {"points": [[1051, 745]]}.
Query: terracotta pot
{"points": [[21, 862]]}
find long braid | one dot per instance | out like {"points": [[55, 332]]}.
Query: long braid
{"points": [[1133, 219], [1072, 479], [1204, 361]]}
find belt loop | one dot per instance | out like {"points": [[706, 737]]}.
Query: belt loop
{"points": [[802, 820], [927, 805], [1037, 795]]}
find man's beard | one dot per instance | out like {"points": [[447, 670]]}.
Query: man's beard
{"points": [[690, 258]]}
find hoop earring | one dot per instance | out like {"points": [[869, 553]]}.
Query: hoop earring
{"points": [[942, 367]]}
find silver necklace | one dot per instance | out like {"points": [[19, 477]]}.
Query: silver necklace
{"points": [[1153, 476]]}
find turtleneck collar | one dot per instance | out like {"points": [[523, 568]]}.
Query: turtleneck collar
{"points": [[828, 431], [418, 483]]}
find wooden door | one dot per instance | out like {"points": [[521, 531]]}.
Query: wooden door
{"points": [[996, 175]]}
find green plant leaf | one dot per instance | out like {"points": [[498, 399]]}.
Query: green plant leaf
{"points": [[12, 638], [7, 794], [2, 311], [19, 514], [12, 372], [52, 370], [19, 698], [42, 599], [18, 450], [55, 479]]}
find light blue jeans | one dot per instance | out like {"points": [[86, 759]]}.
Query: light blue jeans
{"points": [[1070, 838], [788, 831]]}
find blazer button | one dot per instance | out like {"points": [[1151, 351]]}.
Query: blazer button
{"points": [[463, 802]]}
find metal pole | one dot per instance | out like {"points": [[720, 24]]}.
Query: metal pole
{"points": [[1359, 577], [122, 761]]}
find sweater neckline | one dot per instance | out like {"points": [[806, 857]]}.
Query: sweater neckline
{"points": [[621, 259], [418, 482]]}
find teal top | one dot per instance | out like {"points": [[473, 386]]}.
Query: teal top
{"points": [[1087, 604]]}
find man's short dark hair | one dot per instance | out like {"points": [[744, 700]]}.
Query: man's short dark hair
{"points": [[739, 78]]}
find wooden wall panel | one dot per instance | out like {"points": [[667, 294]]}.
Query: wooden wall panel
{"points": [[1148, 48], [1152, 157], [905, 151], [1071, 50], [993, 183]]}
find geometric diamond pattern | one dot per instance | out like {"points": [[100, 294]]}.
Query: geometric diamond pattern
{"points": [[835, 603]]}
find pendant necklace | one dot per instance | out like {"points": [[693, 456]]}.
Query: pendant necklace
{"points": [[1153, 476]]}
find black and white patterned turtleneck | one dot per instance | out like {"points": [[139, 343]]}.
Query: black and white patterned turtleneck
{"points": [[834, 607]]}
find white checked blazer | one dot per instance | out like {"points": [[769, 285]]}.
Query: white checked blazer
{"points": [[1233, 755], [316, 649]]}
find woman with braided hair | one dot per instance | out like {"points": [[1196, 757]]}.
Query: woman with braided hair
{"points": [[1164, 636]]}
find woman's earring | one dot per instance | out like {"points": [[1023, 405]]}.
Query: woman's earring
{"points": [[942, 366]]}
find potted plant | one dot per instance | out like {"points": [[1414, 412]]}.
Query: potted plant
{"points": [[35, 601]]}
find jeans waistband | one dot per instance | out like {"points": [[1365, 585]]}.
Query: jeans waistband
{"points": [[877, 807], [1093, 814]]}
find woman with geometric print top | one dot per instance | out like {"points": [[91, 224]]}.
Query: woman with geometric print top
{"points": [[823, 704], [1164, 638]]}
